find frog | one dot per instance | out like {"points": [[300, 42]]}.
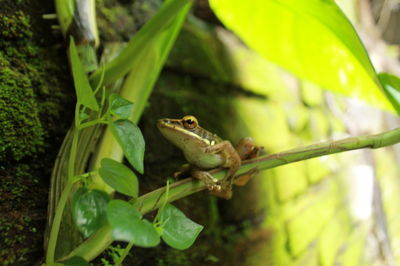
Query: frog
{"points": [[205, 150]]}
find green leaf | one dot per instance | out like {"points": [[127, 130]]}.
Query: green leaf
{"points": [[312, 39], [131, 140], [127, 225], [89, 210], [76, 261], [120, 106], [119, 177], [178, 231], [83, 89], [171, 14], [391, 87]]}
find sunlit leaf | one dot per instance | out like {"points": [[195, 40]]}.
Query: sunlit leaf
{"points": [[391, 87], [83, 89], [119, 177], [178, 231], [120, 106], [128, 226], [89, 210], [131, 140], [313, 39]]}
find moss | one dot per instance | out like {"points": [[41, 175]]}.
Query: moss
{"points": [[20, 128], [34, 79], [15, 26], [24, 79]]}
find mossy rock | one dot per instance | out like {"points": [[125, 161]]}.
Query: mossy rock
{"points": [[35, 92]]}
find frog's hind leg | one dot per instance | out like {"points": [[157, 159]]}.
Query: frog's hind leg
{"points": [[247, 149], [242, 179]]}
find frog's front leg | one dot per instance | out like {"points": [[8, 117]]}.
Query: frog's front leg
{"points": [[210, 181], [213, 186], [232, 161]]}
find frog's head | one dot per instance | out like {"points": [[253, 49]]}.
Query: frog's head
{"points": [[182, 132]]}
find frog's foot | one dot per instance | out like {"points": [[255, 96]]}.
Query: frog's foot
{"points": [[210, 181], [225, 190], [215, 187], [222, 193], [245, 177]]}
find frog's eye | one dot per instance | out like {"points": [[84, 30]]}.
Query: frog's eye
{"points": [[189, 121]]}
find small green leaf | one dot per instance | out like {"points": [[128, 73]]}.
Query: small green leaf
{"points": [[76, 261], [391, 87], [131, 140], [83, 116], [119, 177], [120, 106], [127, 225], [89, 210], [83, 89], [178, 231]]}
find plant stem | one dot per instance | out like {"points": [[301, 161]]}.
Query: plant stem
{"points": [[55, 227], [56, 223], [93, 123], [155, 199], [125, 253]]}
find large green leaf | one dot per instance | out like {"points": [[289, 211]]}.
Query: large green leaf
{"points": [[119, 177], [391, 86], [178, 231], [312, 39], [127, 225], [84, 91], [131, 140]]}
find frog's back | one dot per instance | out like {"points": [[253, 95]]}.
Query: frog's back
{"points": [[207, 136]]}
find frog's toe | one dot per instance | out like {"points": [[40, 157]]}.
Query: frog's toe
{"points": [[217, 188], [213, 187]]}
